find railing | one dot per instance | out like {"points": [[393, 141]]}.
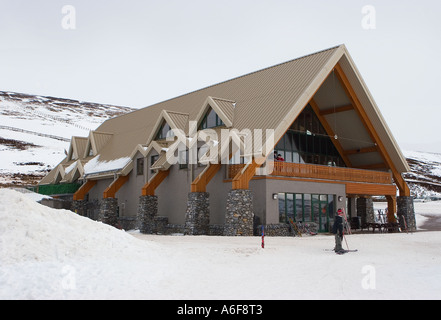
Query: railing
{"points": [[311, 171]]}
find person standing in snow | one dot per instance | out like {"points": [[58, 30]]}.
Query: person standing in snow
{"points": [[337, 230]]}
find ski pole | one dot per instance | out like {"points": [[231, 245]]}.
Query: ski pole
{"points": [[345, 240]]}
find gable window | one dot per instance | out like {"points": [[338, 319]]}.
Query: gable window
{"points": [[90, 151], [153, 159], [306, 141], [211, 120], [164, 131], [140, 166]]}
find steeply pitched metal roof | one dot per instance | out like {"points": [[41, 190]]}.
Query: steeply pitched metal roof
{"points": [[271, 98], [263, 99]]}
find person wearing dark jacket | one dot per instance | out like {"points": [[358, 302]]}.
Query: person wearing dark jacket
{"points": [[337, 229]]}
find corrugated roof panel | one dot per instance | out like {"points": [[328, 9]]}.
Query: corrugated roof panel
{"points": [[226, 106], [267, 99], [256, 95], [180, 120]]}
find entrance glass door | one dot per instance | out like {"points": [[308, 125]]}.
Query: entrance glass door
{"points": [[324, 213], [322, 206]]}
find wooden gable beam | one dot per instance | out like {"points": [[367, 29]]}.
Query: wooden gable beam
{"points": [[84, 189], [362, 150], [115, 186], [402, 185], [337, 110], [372, 166], [150, 187], [200, 183], [330, 132]]}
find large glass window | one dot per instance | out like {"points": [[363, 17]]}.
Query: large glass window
{"points": [[317, 208], [282, 207], [307, 207], [306, 141]]}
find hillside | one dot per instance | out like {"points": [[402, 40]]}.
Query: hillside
{"points": [[35, 131], [425, 178]]}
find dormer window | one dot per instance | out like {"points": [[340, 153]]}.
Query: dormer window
{"points": [[164, 131], [211, 120]]}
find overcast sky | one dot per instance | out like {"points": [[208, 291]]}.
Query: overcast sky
{"points": [[139, 52]]}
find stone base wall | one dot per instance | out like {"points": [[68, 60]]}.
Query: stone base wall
{"points": [[109, 212], [406, 213], [239, 214], [274, 230], [197, 217], [89, 209], [128, 223], [80, 207], [216, 230]]}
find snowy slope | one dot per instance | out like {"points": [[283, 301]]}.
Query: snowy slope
{"points": [[425, 178], [55, 254], [35, 132]]}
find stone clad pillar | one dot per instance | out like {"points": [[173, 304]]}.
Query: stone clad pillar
{"points": [[239, 214], [147, 212], [109, 212], [197, 217], [406, 213]]}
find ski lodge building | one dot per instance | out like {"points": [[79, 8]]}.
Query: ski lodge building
{"points": [[294, 141]]}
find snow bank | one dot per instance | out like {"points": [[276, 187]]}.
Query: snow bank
{"points": [[32, 232], [55, 254], [40, 247]]}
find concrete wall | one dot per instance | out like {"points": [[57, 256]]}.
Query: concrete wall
{"points": [[96, 193], [128, 195], [218, 190]]}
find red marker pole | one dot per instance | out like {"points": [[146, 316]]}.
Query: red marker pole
{"points": [[263, 237]]}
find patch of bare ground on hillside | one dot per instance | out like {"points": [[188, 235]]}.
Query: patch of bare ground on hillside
{"points": [[16, 144], [19, 180]]}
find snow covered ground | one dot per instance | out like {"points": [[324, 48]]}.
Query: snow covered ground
{"points": [[55, 254]]}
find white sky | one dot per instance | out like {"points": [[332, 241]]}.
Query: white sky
{"points": [[139, 52]]}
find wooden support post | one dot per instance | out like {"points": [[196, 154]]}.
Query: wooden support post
{"points": [[200, 183], [85, 188], [243, 177], [150, 187], [115, 186], [391, 208]]}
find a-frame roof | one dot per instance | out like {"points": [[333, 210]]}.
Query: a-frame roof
{"points": [[272, 98]]}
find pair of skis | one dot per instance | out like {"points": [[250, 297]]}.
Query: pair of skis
{"points": [[341, 251]]}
